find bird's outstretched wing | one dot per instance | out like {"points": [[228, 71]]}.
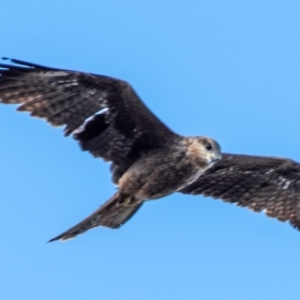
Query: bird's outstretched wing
{"points": [[259, 183], [113, 214], [104, 114]]}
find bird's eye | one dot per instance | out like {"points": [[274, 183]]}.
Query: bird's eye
{"points": [[208, 147]]}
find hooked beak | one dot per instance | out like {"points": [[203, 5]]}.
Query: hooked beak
{"points": [[213, 158]]}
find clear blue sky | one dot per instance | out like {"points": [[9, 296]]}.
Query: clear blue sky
{"points": [[226, 69]]}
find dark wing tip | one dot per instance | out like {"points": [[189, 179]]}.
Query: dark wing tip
{"points": [[295, 222], [27, 64], [16, 61]]}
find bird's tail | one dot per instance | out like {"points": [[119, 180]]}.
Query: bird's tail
{"points": [[113, 213]]}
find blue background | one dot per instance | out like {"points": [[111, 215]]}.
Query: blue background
{"points": [[225, 69]]}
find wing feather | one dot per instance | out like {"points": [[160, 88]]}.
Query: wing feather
{"points": [[259, 183], [76, 100]]}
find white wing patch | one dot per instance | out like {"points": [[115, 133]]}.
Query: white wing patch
{"points": [[283, 183], [81, 128]]}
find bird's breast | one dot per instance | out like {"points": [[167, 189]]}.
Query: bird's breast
{"points": [[159, 174]]}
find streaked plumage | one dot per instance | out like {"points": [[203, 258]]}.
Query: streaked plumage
{"points": [[257, 182], [148, 160]]}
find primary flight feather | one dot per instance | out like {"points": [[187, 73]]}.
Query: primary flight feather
{"points": [[148, 160]]}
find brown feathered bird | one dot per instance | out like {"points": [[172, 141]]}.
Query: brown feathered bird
{"points": [[149, 161]]}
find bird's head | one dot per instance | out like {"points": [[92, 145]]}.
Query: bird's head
{"points": [[204, 150]]}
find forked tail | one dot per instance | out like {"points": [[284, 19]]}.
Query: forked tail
{"points": [[113, 213]]}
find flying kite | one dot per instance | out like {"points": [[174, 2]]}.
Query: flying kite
{"points": [[148, 160]]}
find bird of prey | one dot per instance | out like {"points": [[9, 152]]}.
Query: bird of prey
{"points": [[148, 160]]}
